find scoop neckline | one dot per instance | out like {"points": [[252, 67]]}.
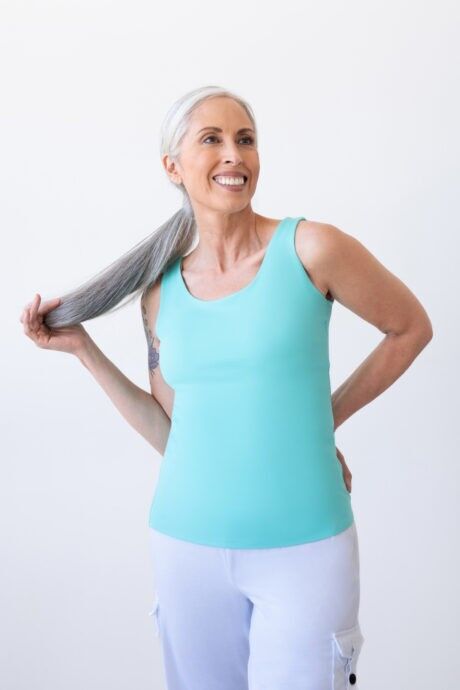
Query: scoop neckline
{"points": [[244, 289]]}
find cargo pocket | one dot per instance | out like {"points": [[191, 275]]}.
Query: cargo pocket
{"points": [[346, 648], [155, 612]]}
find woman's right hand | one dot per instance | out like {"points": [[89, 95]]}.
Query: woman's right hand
{"points": [[72, 339]]}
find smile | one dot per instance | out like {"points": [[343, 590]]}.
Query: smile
{"points": [[231, 183]]}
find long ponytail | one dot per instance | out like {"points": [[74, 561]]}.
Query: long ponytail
{"points": [[138, 269]]}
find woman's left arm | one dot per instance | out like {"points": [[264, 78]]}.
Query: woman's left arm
{"points": [[356, 279]]}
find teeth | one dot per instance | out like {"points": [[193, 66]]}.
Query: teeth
{"points": [[229, 180]]}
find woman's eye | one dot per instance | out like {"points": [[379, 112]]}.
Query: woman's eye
{"points": [[212, 136]]}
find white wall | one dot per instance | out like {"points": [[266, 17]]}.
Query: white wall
{"points": [[358, 110]]}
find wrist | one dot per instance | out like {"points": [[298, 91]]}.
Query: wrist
{"points": [[86, 350]]}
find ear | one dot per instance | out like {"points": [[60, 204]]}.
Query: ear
{"points": [[170, 167]]}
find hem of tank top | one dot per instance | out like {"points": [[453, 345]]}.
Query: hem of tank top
{"points": [[304, 271], [296, 542]]}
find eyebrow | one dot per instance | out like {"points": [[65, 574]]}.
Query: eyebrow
{"points": [[218, 129]]}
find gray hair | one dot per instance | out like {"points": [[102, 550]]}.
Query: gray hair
{"points": [[137, 270]]}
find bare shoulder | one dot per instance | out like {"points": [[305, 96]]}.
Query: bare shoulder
{"points": [[343, 266], [315, 243], [332, 256], [315, 240]]}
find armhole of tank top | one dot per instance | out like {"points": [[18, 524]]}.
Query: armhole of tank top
{"points": [[158, 324], [302, 270]]}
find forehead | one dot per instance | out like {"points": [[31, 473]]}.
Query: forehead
{"points": [[219, 112]]}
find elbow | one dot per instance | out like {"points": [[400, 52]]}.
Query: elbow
{"points": [[429, 334], [419, 334], [427, 330], [423, 333], [422, 328]]}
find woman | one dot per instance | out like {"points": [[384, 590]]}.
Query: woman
{"points": [[255, 544]]}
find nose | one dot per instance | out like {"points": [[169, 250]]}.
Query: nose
{"points": [[232, 155]]}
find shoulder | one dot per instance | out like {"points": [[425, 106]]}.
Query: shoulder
{"points": [[323, 244], [357, 279], [324, 249], [314, 238]]}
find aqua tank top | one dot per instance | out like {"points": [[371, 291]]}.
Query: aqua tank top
{"points": [[250, 461]]}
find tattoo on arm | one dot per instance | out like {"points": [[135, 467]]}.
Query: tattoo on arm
{"points": [[153, 354]]}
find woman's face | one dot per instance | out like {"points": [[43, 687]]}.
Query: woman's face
{"points": [[205, 152]]}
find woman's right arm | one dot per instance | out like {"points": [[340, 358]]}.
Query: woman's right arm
{"points": [[139, 407]]}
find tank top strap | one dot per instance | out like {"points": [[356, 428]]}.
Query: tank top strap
{"points": [[288, 230], [290, 269], [169, 294], [284, 255], [280, 251], [278, 254]]}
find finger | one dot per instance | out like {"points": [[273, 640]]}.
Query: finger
{"points": [[33, 311], [24, 312], [34, 326], [36, 317], [27, 322], [29, 313], [30, 322], [30, 330], [39, 313], [49, 305]]}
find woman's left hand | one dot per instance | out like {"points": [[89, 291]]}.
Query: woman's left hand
{"points": [[345, 471]]}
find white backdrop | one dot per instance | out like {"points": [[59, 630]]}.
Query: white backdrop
{"points": [[357, 107]]}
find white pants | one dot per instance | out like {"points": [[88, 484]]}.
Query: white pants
{"points": [[258, 619]]}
